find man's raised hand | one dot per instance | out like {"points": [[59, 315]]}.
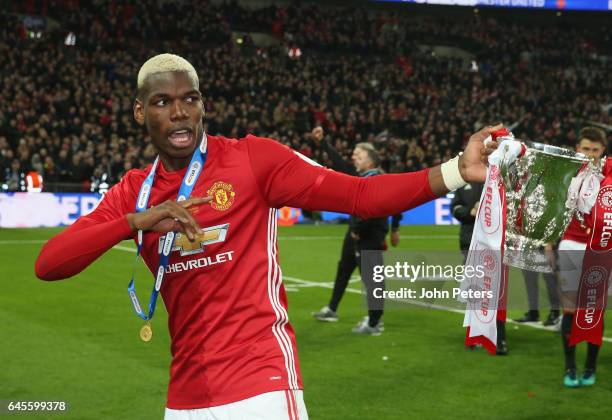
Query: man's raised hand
{"points": [[317, 134]]}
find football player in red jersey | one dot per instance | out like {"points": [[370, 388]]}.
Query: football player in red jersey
{"points": [[206, 214], [591, 142]]}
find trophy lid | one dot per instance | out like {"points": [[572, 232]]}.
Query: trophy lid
{"points": [[556, 151]]}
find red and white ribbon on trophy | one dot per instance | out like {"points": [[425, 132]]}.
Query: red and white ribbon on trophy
{"points": [[596, 267], [486, 253]]}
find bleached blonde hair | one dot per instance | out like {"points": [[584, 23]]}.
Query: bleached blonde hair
{"points": [[163, 63]]}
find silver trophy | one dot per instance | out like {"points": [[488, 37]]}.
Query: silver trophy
{"points": [[537, 188]]}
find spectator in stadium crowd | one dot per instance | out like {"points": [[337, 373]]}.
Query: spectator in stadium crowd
{"points": [[13, 176], [427, 104], [361, 235], [591, 142], [219, 310]]}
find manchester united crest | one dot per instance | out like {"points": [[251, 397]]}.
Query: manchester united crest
{"points": [[222, 195]]}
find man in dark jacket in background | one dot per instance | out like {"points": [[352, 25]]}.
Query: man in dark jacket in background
{"points": [[362, 235], [464, 208]]}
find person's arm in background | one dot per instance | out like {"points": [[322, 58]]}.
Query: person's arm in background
{"points": [[338, 162], [77, 246], [460, 208], [360, 227], [286, 179], [395, 226]]}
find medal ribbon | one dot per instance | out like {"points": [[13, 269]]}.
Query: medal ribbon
{"points": [[196, 167], [596, 269]]}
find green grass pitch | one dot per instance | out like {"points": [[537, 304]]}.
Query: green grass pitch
{"points": [[77, 341]]}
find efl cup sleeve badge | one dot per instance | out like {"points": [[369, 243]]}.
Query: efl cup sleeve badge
{"points": [[222, 194], [596, 272], [605, 198]]}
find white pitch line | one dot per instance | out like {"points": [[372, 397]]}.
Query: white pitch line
{"points": [[418, 303], [407, 237], [125, 248], [359, 291], [330, 285], [285, 238], [42, 241], [22, 241], [307, 238]]}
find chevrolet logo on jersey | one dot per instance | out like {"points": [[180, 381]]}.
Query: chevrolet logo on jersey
{"points": [[206, 236]]}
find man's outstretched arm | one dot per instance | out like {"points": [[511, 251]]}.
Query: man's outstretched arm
{"points": [[287, 179]]}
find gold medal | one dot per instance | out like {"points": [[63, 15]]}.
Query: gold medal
{"points": [[146, 332]]}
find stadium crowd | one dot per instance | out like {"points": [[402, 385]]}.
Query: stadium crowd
{"points": [[66, 110]]}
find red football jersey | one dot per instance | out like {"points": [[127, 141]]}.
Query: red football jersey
{"points": [[580, 232], [227, 307], [577, 231]]}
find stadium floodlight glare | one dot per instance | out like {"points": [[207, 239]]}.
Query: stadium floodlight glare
{"points": [[70, 39], [295, 52], [593, 5]]}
